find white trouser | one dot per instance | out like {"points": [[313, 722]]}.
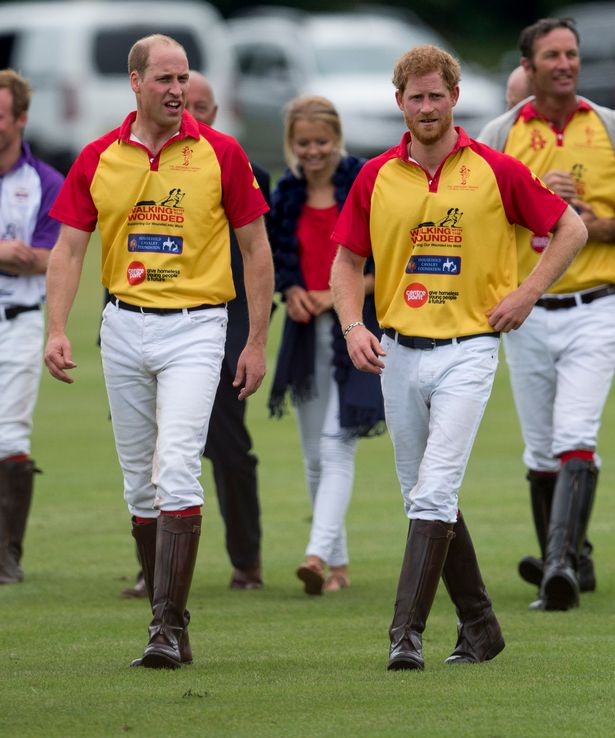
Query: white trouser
{"points": [[561, 366], [328, 455], [21, 361], [161, 373], [434, 402]]}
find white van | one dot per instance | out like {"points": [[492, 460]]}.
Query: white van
{"points": [[74, 53]]}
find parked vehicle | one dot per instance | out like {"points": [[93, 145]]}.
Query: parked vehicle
{"points": [[74, 54], [347, 57], [596, 25]]}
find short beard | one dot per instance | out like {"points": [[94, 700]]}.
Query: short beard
{"points": [[435, 136]]}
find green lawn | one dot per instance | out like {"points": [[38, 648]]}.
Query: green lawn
{"points": [[275, 662]]}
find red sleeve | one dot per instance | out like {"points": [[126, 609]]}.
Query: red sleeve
{"points": [[352, 229], [242, 198], [527, 200], [74, 205]]}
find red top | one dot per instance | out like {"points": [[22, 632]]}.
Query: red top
{"points": [[316, 249]]}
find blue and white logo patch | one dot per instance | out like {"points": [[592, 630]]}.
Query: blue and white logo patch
{"points": [[154, 244], [434, 265]]}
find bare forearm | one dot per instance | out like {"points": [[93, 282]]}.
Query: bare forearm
{"points": [[348, 286], [63, 275], [258, 280], [568, 239]]}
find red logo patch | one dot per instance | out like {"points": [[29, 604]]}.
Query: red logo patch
{"points": [[136, 272], [539, 243], [416, 295]]}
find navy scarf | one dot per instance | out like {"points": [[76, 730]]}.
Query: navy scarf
{"points": [[361, 405]]}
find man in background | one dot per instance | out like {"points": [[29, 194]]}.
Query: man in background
{"points": [[28, 188], [229, 446], [517, 87], [562, 358]]}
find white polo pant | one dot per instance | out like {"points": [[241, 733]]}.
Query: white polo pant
{"points": [[328, 455], [434, 402], [21, 361], [161, 372], [561, 366]]}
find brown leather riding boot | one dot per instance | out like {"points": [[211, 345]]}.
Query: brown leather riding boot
{"points": [[16, 487], [177, 542], [145, 538], [426, 548], [479, 637]]}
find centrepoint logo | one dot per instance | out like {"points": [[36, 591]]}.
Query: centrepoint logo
{"points": [[416, 295], [136, 272]]}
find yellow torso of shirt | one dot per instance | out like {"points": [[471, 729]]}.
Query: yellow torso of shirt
{"points": [[584, 149], [164, 232], [443, 258]]}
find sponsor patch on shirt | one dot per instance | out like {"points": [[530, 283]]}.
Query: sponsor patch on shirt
{"points": [[152, 243], [434, 265], [416, 295], [539, 243], [136, 273]]}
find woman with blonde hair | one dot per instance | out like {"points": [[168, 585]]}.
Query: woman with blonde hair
{"points": [[335, 404]]}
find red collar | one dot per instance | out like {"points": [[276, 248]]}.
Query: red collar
{"points": [[189, 127], [528, 111]]}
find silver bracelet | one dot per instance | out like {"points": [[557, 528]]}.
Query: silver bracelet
{"points": [[348, 328]]}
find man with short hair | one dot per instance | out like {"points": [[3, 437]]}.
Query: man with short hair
{"points": [[168, 271], [28, 188], [443, 295], [229, 445], [562, 359]]}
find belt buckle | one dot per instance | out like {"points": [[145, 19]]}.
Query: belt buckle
{"points": [[426, 344]]}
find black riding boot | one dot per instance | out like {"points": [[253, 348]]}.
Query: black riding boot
{"points": [[424, 557], [542, 487], [572, 504], [531, 568], [16, 487], [479, 635], [177, 541]]}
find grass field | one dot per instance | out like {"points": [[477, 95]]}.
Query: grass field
{"points": [[275, 663]]}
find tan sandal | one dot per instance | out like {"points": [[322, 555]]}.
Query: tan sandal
{"points": [[337, 579], [311, 573]]}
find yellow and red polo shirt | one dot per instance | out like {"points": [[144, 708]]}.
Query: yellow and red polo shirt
{"points": [[164, 220], [583, 148], [444, 247]]}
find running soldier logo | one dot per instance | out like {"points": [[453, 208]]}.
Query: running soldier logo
{"points": [[537, 142], [416, 295], [167, 211], [136, 273]]}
